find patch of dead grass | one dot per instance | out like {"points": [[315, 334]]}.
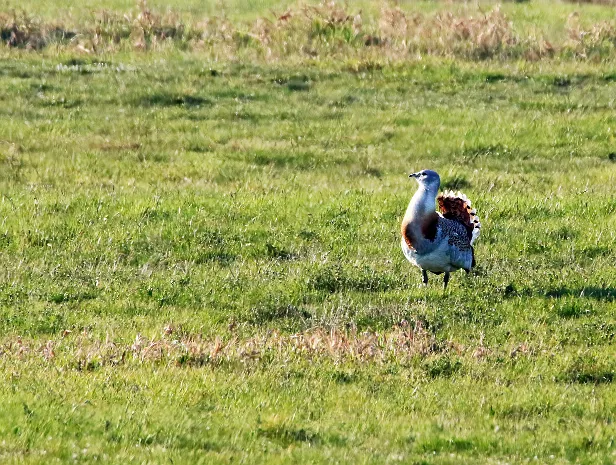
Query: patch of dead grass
{"points": [[329, 29], [593, 2], [84, 352], [597, 40], [21, 30], [396, 345]]}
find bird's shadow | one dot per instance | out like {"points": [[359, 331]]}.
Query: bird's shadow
{"points": [[605, 294], [591, 292]]}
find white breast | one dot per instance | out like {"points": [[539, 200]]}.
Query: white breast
{"points": [[436, 261]]}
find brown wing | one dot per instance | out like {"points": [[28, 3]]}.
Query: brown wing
{"points": [[457, 207]]}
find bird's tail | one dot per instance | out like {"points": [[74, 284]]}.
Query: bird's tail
{"points": [[456, 206]]}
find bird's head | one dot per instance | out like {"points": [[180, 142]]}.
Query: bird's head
{"points": [[427, 179]]}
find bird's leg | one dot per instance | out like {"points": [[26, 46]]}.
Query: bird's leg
{"points": [[424, 275], [446, 280]]}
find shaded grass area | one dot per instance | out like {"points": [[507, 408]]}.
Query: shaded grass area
{"points": [[179, 238]]}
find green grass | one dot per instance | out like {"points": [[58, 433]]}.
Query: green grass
{"points": [[200, 262]]}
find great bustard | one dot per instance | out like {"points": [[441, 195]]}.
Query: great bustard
{"points": [[439, 242]]}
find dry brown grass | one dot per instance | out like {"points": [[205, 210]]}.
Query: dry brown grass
{"points": [[328, 30], [484, 36], [20, 30], [84, 352], [593, 2], [595, 41], [399, 344]]}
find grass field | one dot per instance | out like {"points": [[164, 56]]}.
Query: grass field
{"points": [[199, 250]]}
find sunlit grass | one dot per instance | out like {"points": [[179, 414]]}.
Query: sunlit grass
{"points": [[200, 263]]}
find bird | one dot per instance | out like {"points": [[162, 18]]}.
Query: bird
{"points": [[439, 241]]}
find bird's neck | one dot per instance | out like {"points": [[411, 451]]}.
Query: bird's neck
{"points": [[419, 215], [422, 204]]}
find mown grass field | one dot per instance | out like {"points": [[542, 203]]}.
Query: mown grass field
{"points": [[200, 263]]}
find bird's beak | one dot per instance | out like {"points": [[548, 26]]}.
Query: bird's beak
{"points": [[414, 175]]}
